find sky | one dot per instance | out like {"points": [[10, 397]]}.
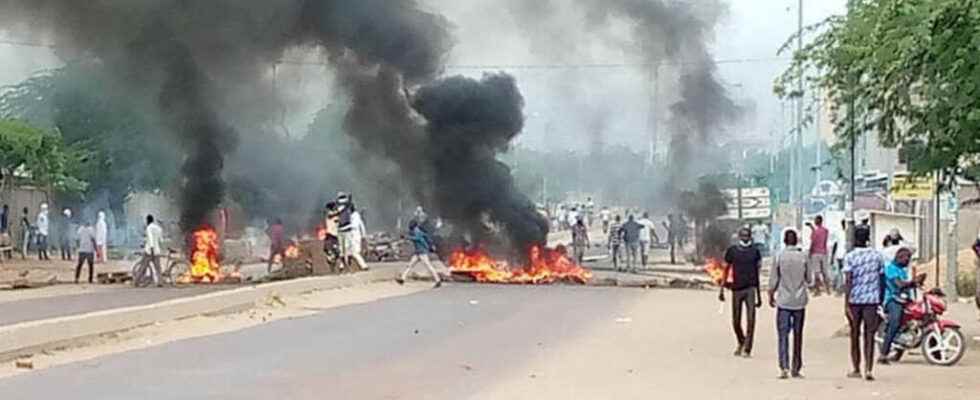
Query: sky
{"points": [[567, 108]]}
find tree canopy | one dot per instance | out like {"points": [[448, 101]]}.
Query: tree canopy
{"points": [[39, 157], [907, 69]]}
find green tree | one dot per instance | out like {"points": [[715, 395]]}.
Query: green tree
{"points": [[125, 147], [906, 69], [39, 157]]}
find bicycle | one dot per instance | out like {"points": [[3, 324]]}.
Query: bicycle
{"points": [[175, 267]]}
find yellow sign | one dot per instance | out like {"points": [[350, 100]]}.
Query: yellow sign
{"points": [[905, 187]]}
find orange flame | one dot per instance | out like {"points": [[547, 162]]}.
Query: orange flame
{"points": [[321, 232], [544, 266], [715, 268], [292, 252], [204, 257]]}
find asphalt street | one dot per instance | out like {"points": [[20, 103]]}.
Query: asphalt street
{"points": [[13, 312], [436, 344]]}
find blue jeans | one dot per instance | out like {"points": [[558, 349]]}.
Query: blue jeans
{"points": [[790, 321], [894, 310]]}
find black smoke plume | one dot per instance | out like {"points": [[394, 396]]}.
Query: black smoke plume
{"points": [[206, 62]]}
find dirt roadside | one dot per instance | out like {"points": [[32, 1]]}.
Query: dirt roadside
{"points": [[675, 344]]}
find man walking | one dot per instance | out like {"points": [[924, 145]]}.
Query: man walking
{"points": [[744, 261], [43, 229], [631, 236], [86, 250], [605, 216], [863, 289], [615, 240], [788, 283], [647, 231], [580, 240], [896, 281], [422, 244], [818, 256]]}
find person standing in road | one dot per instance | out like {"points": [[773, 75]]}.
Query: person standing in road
{"points": [[615, 241], [605, 215], [631, 237], [863, 268], [896, 281], [838, 249], [580, 240], [277, 242], [352, 233], [976, 252], [27, 233], [101, 238], [818, 256], [788, 283], [86, 251], [422, 245], [43, 229], [744, 261], [646, 233], [152, 247], [5, 218], [68, 231]]}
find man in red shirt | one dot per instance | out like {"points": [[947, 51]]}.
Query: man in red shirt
{"points": [[818, 256]]}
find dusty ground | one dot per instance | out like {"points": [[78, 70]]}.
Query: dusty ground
{"points": [[269, 310], [483, 342]]}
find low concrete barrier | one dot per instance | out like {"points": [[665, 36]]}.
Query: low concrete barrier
{"points": [[32, 336]]}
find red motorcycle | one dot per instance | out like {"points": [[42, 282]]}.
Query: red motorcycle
{"points": [[923, 327]]}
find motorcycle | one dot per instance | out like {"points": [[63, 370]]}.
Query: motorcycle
{"points": [[923, 327]]}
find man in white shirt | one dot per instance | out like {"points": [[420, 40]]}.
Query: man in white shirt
{"points": [[352, 232], [43, 225], [645, 233], [151, 247]]}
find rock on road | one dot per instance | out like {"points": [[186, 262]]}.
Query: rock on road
{"points": [[497, 342]]}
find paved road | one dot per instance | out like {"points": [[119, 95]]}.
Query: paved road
{"points": [[494, 342], [13, 312]]}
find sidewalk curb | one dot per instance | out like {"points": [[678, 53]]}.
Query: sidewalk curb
{"points": [[32, 336]]}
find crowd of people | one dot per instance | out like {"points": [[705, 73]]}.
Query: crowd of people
{"points": [[36, 232], [870, 279]]}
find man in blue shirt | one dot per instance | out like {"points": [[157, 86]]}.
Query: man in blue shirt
{"points": [[863, 287], [896, 280], [422, 244]]}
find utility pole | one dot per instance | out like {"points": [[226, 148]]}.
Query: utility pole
{"points": [[653, 88], [799, 122], [819, 141]]}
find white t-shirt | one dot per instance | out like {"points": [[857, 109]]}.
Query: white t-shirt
{"points": [[605, 214], [154, 234], [647, 226], [42, 223]]}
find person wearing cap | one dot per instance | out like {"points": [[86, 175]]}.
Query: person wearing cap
{"points": [[788, 282], [43, 229], [863, 268]]}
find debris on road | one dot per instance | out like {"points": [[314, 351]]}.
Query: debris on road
{"points": [[624, 320], [24, 363]]}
